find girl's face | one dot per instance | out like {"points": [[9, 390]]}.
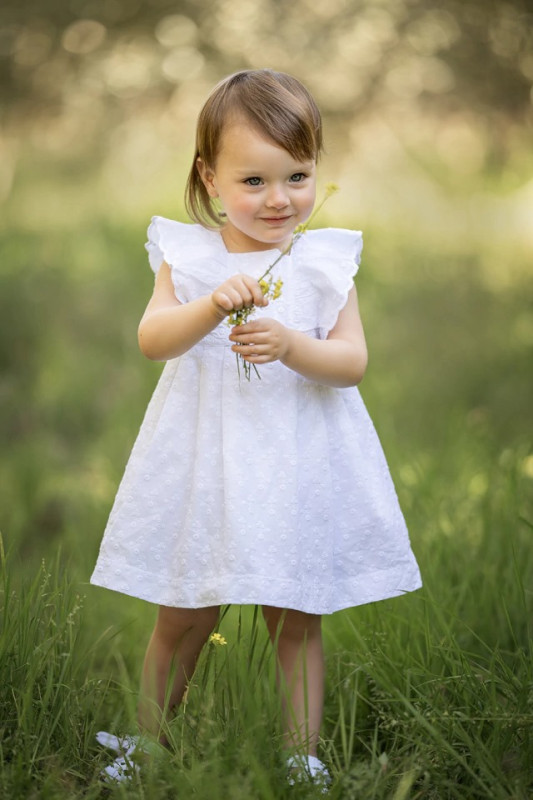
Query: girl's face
{"points": [[264, 192]]}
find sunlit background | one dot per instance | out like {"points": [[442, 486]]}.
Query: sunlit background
{"points": [[428, 106]]}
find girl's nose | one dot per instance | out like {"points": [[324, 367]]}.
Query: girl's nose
{"points": [[277, 197]]}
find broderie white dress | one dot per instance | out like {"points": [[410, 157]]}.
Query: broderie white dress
{"points": [[272, 491]]}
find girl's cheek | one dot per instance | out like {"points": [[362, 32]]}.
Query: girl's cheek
{"points": [[246, 204]]}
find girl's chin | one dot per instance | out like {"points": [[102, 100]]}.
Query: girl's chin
{"points": [[268, 238]]}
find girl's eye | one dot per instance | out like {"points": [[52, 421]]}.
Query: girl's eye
{"points": [[253, 181], [298, 177]]}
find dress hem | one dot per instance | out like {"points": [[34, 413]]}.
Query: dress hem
{"points": [[384, 586]]}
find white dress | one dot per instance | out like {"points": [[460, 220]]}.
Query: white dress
{"points": [[270, 491]]}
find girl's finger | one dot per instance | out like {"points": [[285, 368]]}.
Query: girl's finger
{"points": [[248, 338], [258, 358], [257, 295], [224, 301], [240, 298], [255, 326], [249, 349], [245, 293]]}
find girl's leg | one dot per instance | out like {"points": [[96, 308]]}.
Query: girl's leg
{"points": [[298, 640], [177, 640]]}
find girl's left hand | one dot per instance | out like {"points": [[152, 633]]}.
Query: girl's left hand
{"points": [[261, 340]]}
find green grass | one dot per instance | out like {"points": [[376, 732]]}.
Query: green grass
{"points": [[428, 696]]}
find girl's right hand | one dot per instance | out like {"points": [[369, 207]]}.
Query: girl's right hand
{"points": [[240, 291]]}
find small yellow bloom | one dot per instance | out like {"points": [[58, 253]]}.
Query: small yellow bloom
{"points": [[265, 285], [217, 639], [331, 188]]}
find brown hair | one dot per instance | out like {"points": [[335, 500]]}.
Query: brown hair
{"points": [[275, 103]]}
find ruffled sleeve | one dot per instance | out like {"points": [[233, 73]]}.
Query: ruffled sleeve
{"points": [[191, 253], [327, 261]]}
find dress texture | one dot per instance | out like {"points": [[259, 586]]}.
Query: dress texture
{"points": [[269, 491]]}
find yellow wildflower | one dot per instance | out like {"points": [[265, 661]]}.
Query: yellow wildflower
{"points": [[217, 639]]}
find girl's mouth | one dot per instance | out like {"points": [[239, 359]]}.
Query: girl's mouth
{"points": [[276, 220]]}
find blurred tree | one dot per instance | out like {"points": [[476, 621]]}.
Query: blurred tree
{"points": [[471, 62], [477, 54]]}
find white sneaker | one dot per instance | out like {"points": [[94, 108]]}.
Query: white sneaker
{"points": [[120, 744], [308, 768], [123, 769]]}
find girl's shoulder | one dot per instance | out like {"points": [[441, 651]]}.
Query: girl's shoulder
{"points": [[336, 244], [326, 261], [169, 240]]}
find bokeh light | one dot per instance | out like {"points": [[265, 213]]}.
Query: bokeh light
{"points": [[432, 103]]}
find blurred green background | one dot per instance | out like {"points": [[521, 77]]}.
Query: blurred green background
{"points": [[428, 119]]}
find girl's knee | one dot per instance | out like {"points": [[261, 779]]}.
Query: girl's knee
{"points": [[174, 623], [291, 624]]}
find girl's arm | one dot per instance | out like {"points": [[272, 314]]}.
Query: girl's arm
{"points": [[340, 360], [170, 328]]}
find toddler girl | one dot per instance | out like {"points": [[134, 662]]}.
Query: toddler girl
{"points": [[273, 490]]}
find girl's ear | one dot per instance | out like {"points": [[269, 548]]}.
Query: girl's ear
{"points": [[208, 177]]}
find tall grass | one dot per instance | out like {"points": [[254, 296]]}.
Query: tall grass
{"points": [[47, 698]]}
